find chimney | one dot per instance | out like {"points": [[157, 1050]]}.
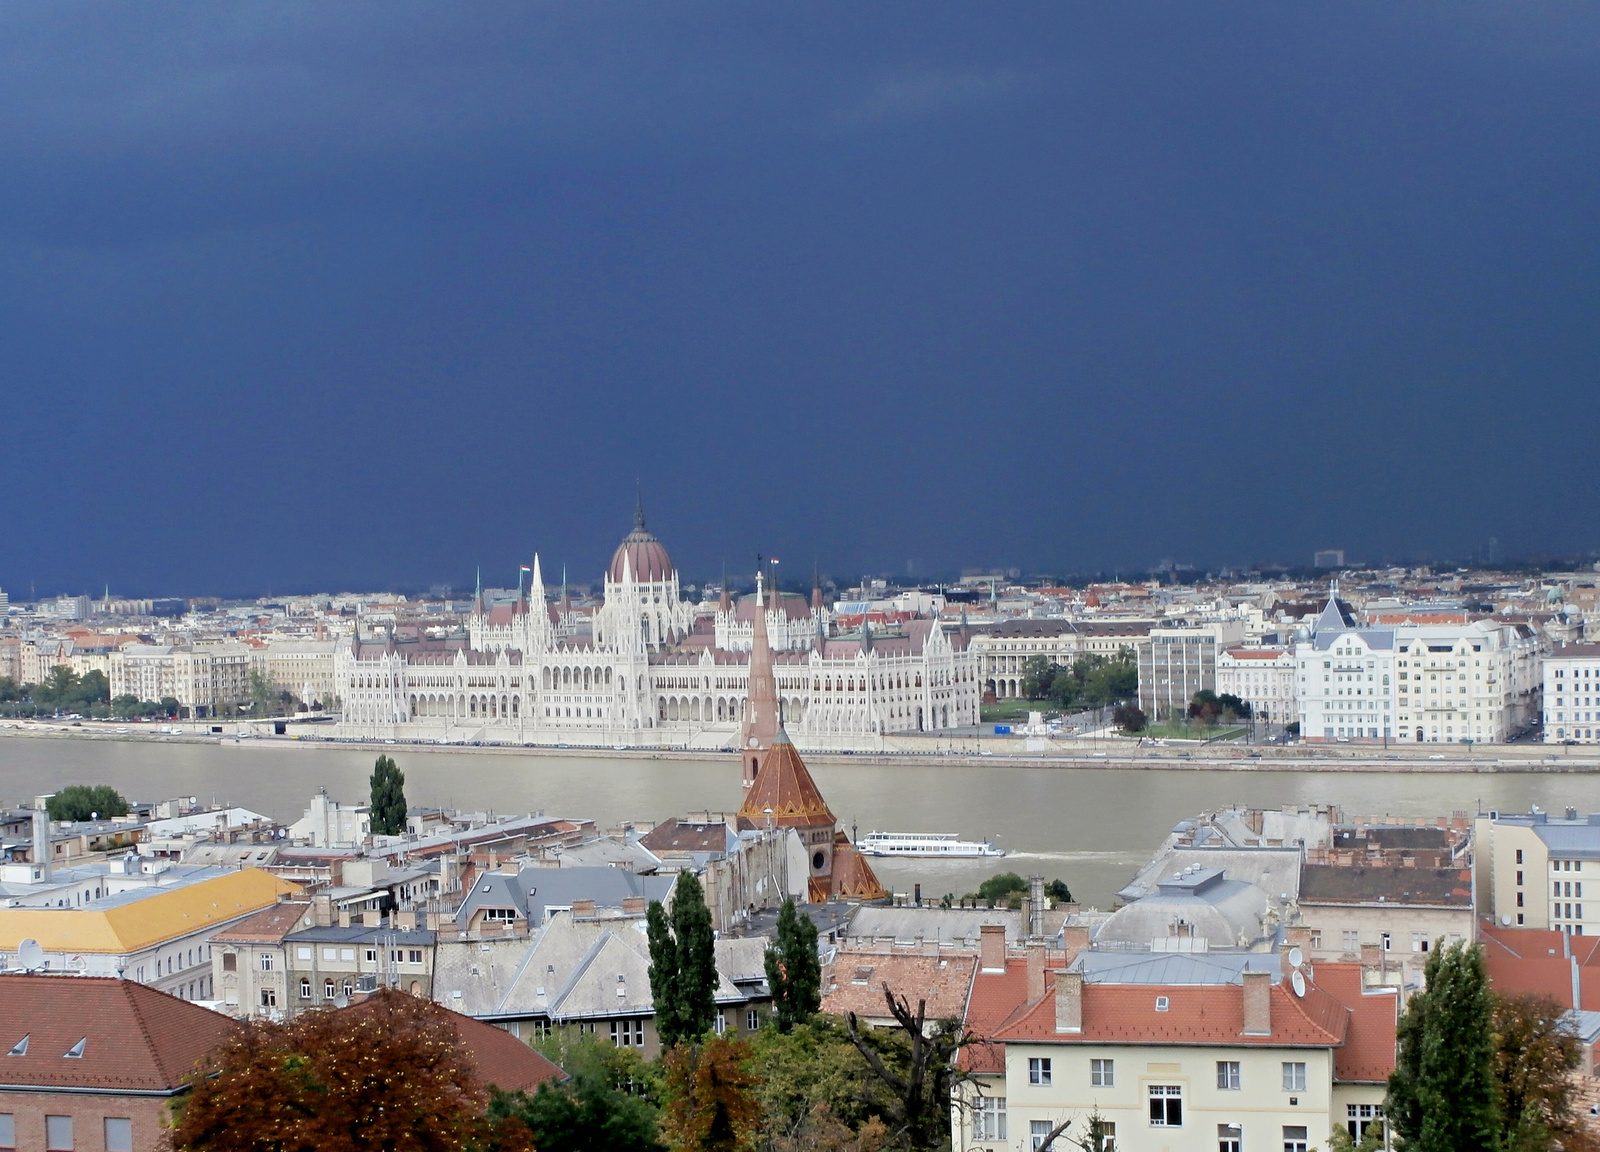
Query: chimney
{"points": [[1035, 954], [1258, 1004], [372, 918], [344, 917], [1069, 1001], [633, 906], [1036, 906], [322, 911], [406, 921], [583, 908], [41, 841], [992, 947], [1371, 954], [449, 873], [1074, 938], [1299, 936]]}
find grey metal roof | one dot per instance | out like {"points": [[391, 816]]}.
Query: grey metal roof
{"points": [[531, 890], [1174, 967]]}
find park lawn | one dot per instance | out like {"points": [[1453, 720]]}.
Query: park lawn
{"points": [[1012, 710], [1193, 732]]}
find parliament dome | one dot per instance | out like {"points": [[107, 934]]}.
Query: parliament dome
{"points": [[646, 556]]}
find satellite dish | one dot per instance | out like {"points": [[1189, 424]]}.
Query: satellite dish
{"points": [[30, 955], [1296, 957], [1298, 981]]}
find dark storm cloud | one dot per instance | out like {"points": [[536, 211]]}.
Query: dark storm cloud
{"points": [[316, 295]]}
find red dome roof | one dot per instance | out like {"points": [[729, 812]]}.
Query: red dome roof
{"points": [[647, 557]]}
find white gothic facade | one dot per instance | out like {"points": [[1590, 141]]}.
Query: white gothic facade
{"points": [[651, 671]]}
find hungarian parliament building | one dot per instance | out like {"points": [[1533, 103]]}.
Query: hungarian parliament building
{"points": [[651, 669]]}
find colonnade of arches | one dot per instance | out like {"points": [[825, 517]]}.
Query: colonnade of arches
{"points": [[466, 706]]}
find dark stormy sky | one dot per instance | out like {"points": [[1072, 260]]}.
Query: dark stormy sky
{"points": [[305, 295]]}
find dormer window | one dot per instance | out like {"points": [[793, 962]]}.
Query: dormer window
{"points": [[20, 1048], [76, 1051], [1162, 1003]]}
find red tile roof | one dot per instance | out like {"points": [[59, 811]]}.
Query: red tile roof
{"points": [[268, 926], [1543, 961], [136, 1038], [854, 982], [995, 998], [1368, 1052], [500, 1059]]}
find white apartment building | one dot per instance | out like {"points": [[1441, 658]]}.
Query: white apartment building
{"points": [[1262, 677], [1418, 683], [1572, 694], [1531, 867], [206, 679]]}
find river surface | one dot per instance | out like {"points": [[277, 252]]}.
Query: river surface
{"points": [[1092, 827]]}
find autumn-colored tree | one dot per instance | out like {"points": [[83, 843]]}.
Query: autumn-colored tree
{"points": [[711, 1101], [388, 1073], [1534, 1055]]}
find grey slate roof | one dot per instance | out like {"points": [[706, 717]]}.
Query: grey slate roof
{"points": [[1175, 968], [531, 890]]}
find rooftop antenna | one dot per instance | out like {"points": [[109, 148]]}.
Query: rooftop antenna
{"points": [[30, 956]]}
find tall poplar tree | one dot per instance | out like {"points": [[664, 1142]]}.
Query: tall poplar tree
{"points": [[388, 810], [1442, 1093], [794, 973], [683, 963]]}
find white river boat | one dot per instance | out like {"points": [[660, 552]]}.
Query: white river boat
{"points": [[936, 844]]}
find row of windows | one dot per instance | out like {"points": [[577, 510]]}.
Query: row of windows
{"points": [[59, 1136], [1103, 1074]]}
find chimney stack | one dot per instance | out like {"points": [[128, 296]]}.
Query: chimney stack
{"points": [[41, 839], [1258, 1004], [1035, 971], [583, 909], [633, 906], [322, 911], [992, 947], [1036, 906], [1069, 1001]]}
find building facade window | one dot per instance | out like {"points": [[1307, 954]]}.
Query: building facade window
{"points": [[1294, 1076], [119, 1134], [1166, 1106], [58, 1134], [1039, 1071], [1230, 1138], [752, 1019], [1228, 1075], [305, 989], [1295, 1138], [269, 997], [8, 1132], [627, 1033], [1037, 1131], [1102, 1073], [989, 1119], [1360, 1117]]}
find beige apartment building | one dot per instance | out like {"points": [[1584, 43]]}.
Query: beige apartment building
{"points": [[206, 679], [1002, 651], [1531, 869], [302, 667]]}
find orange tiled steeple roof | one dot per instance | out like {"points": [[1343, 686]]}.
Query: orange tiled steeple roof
{"points": [[784, 785]]}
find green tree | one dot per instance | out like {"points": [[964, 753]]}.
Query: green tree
{"points": [[600, 1105], [10, 690], [58, 689], [1443, 1096], [1058, 891], [683, 963], [1037, 673], [1005, 886], [1534, 1056], [813, 1076], [94, 688], [85, 801], [388, 811], [711, 1099], [263, 696], [794, 973]]}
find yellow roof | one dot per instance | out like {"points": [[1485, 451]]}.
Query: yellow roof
{"points": [[141, 924]]}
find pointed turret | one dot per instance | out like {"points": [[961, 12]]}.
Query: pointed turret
{"points": [[477, 596], [761, 719], [816, 590]]}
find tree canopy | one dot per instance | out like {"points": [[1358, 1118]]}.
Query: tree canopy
{"points": [[386, 1073], [1443, 1095], [794, 972], [388, 811], [683, 963], [607, 1101], [86, 802]]}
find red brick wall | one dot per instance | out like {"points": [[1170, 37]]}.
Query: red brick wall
{"points": [[88, 1118]]}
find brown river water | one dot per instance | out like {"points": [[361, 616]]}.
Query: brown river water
{"points": [[1092, 827]]}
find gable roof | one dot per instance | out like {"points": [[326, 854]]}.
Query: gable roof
{"points": [[500, 1059], [137, 1040]]}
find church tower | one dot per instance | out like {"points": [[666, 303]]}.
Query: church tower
{"points": [[761, 719]]}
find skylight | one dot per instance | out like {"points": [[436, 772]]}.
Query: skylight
{"points": [[21, 1048]]}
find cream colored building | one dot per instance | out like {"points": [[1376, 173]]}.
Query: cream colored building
{"points": [[1571, 696], [207, 679], [1180, 1052], [1531, 869], [1263, 678], [302, 667], [1002, 650]]}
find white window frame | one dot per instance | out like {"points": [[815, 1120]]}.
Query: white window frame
{"points": [[1102, 1073], [1294, 1076], [1039, 1070], [1229, 1076], [989, 1120]]}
